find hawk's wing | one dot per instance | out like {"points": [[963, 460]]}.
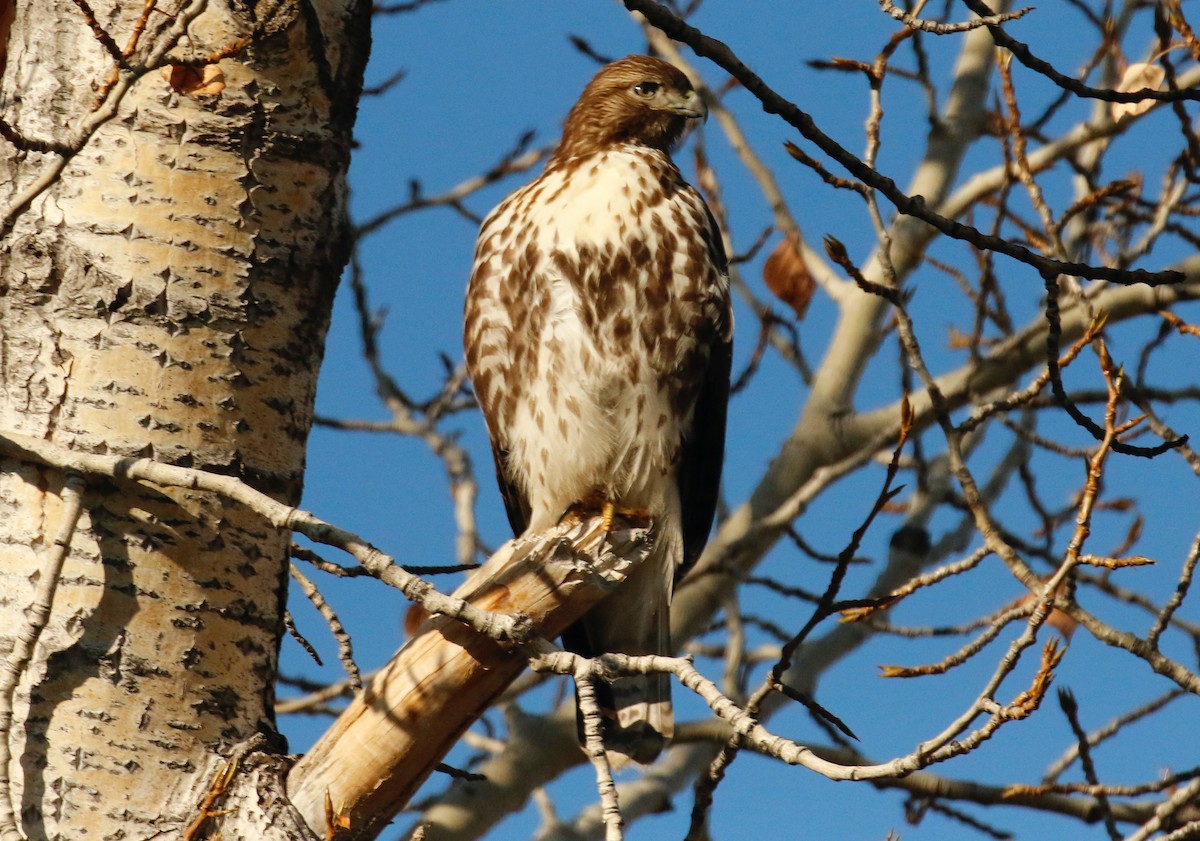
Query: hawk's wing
{"points": [[495, 348], [516, 503], [701, 457], [703, 449]]}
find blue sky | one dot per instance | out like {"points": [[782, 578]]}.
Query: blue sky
{"points": [[479, 74]]}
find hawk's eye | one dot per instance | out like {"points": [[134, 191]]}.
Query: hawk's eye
{"points": [[646, 89]]}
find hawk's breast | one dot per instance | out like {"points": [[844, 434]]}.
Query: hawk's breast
{"points": [[597, 296]]}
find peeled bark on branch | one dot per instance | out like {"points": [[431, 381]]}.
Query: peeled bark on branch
{"points": [[390, 738]]}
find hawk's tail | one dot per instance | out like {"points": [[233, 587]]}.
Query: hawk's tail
{"points": [[638, 719]]}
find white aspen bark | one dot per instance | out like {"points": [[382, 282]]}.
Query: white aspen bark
{"points": [[168, 261]]}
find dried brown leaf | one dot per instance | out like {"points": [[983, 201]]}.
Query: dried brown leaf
{"points": [[1062, 622], [788, 277], [1057, 619], [413, 617]]}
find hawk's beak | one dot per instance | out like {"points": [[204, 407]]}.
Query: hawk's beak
{"points": [[690, 105]]}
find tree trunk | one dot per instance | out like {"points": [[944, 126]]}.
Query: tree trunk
{"points": [[173, 230]]}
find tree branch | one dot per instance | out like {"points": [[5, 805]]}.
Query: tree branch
{"points": [[14, 665], [390, 738], [915, 205]]}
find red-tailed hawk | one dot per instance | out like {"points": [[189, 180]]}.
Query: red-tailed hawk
{"points": [[597, 335]]}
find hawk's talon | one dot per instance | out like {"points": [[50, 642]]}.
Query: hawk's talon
{"points": [[610, 510]]}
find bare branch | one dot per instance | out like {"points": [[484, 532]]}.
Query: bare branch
{"points": [[593, 729], [1071, 709], [78, 134], [1181, 590], [914, 206], [1024, 55], [936, 28], [345, 648], [519, 159], [36, 615]]}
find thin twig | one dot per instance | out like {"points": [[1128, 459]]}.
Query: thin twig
{"points": [[289, 625], [1163, 619], [1070, 708], [12, 668], [102, 37], [345, 647], [937, 28], [519, 159], [593, 731], [1165, 811]]}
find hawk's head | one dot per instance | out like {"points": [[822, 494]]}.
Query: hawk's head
{"points": [[638, 99]]}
